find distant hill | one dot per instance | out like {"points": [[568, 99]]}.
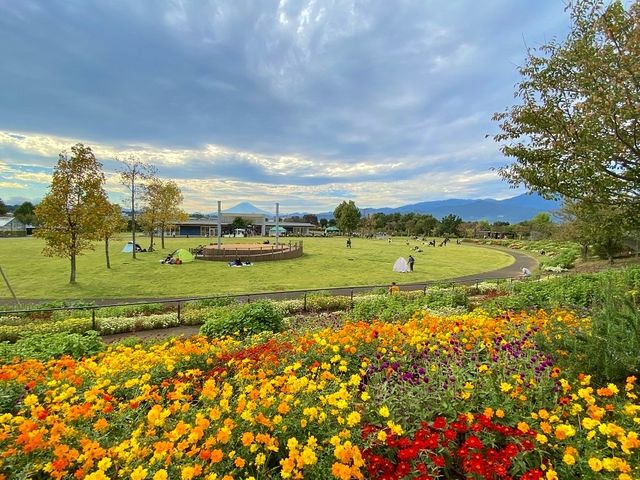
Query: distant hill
{"points": [[512, 210]]}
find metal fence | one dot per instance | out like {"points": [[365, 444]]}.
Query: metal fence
{"points": [[349, 291]]}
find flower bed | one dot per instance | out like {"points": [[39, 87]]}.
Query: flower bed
{"points": [[462, 396]]}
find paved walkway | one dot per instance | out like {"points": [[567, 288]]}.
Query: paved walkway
{"points": [[512, 271]]}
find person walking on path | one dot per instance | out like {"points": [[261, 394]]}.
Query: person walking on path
{"points": [[348, 242], [410, 261]]}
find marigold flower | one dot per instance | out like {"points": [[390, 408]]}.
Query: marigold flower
{"points": [[384, 411], [595, 464]]}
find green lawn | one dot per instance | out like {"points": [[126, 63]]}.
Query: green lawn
{"points": [[326, 263]]}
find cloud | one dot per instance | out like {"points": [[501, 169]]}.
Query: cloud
{"points": [[316, 101]]}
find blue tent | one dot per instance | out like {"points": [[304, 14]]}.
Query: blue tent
{"points": [[128, 248]]}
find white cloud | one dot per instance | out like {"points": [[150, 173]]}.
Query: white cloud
{"points": [[12, 185]]}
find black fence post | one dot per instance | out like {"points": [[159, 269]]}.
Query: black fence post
{"points": [[352, 299], [178, 312], [93, 319], [304, 308], [424, 290]]}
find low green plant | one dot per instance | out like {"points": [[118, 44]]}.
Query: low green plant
{"points": [[45, 347], [608, 347], [111, 325], [250, 319], [12, 333], [319, 302], [454, 296]]}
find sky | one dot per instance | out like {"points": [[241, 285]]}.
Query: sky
{"points": [[306, 103]]}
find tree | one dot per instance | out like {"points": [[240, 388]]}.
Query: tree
{"points": [[590, 223], [148, 220], [112, 223], [541, 226], [24, 213], [133, 174], [449, 225], [575, 132], [239, 222], [347, 216], [3, 208], [324, 222], [310, 218], [67, 214], [163, 199]]}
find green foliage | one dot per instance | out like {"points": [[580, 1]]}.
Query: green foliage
{"points": [[115, 311], [319, 302], [12, 333], [208, 314], [454, 296], [347, 216], [45, 347], [564, 258], [209, 302], [571, 291], [574, 132], [250, 319], [609, 347], [449, 225]]}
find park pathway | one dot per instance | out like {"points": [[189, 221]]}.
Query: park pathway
{"points": [[512, 271]]}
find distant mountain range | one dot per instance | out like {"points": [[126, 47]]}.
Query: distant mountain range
{"points": [[512, 210]]}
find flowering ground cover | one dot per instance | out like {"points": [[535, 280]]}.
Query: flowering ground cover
{"points": [[458, 396]]}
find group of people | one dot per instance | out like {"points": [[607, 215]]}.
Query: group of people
{"points": [[171, 260]]}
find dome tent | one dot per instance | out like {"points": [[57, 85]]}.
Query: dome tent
{"points": [[183, 255]]}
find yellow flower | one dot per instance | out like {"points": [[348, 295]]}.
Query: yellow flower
{"points": [[139, 474], [595, 464], [353, 419], [569, 459], [104, 464], [160, 475], [505, 387], [384, 411], [382, 436]]}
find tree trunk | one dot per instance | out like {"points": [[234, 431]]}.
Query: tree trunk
{"points": [[73, 268], [133, 214], [162, 236], [585, 252], [151, 240], [106, 251]]}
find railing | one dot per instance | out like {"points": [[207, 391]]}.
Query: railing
{"points": [[349, 291]]}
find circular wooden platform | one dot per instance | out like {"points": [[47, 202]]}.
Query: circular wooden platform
{"points": [[255, 252], [246, 247]]}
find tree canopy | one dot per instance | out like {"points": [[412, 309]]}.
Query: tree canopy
{"points": [[25, 214], [347, 216], [575, 132], [3, 208], [68, 214]]}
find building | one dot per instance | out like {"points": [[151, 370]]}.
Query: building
{"points": [[259, 223], [12, 227]]}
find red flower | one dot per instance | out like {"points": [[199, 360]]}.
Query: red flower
{"points": [[439, 423]]}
